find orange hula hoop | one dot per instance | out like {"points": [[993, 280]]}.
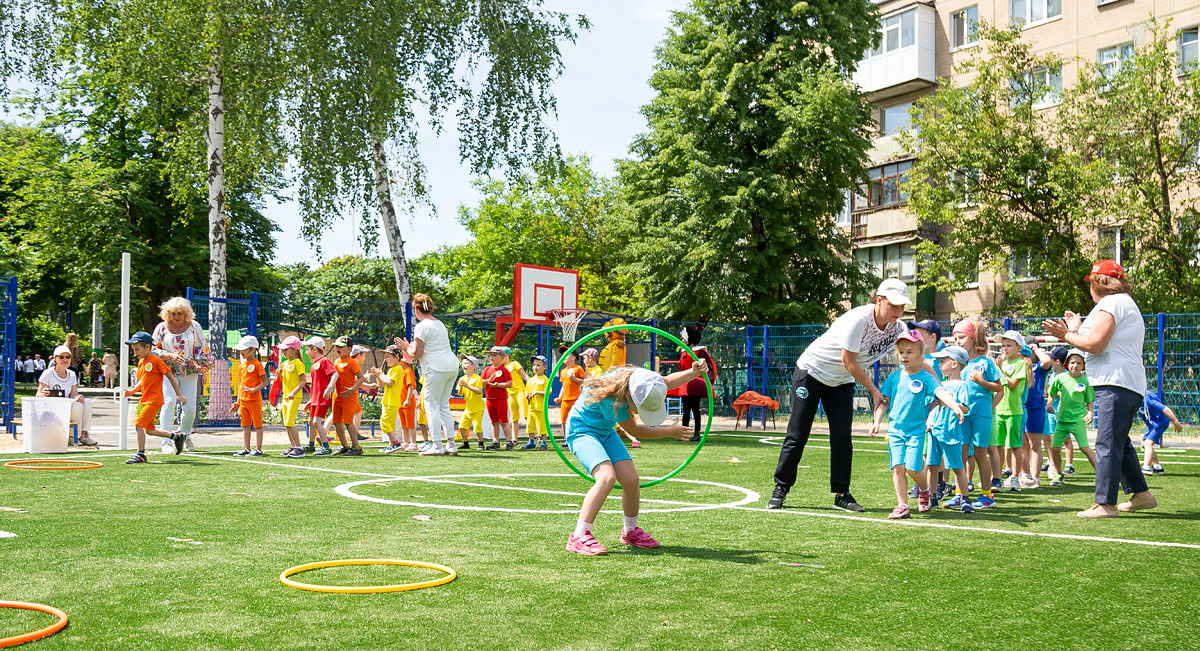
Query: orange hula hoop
{"points": [[40, 633], [79, 465]]}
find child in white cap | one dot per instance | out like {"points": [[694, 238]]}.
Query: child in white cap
{"points": [[248, 405], [618, 397]]}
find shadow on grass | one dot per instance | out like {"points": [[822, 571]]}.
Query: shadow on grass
{"points": [[742, 556]]}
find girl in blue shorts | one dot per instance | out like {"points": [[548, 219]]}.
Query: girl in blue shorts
{"points": [[611, 399], [983, 381]]}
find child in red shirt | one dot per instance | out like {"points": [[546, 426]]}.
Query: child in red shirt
{"points": [[496, 381], [320, 378], [349, 378]]}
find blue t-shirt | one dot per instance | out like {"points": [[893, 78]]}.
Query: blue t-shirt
{"points": [[946, 427], [908, 395], [980, 398], [1152, 413], [1036, 399], [933, 364], [598, 419]]}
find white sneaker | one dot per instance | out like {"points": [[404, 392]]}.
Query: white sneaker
{"points": [[432, 451], [168, 446], [1147, 470], [188, 445], [1030, 482], [451, 449], [1014, 484]]}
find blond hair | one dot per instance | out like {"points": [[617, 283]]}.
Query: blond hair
{"points": [[1104, 285], [423, 302], [175, 304], [613, 384], [981, 339]]}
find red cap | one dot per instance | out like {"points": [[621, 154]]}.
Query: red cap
{"points": [[1106, 268]]}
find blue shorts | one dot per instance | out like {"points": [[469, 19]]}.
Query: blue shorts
{"points": [[906, 451], [592, 450], [1035, 421], [951, 451], [1154, 434], [978, 432], [1051, 422]]}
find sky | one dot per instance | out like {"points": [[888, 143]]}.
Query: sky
{"points": [[600, 92]]}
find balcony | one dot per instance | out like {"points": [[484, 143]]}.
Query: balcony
{"points": [[906, 58]]}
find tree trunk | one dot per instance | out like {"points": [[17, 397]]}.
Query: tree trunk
{"points": [[220, 397], [387, 216]]}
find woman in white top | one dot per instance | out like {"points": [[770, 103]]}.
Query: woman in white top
{"points": [[180, 342], [60, 376], [1112, 337], [439, 369], [825, 375]]}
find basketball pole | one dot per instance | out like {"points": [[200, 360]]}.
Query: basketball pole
{"points": [[123, 372]]}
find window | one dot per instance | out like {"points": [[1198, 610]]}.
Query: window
{"points": [[899, 32], [964, 27], [1030, 12], [886, 187], [964, 184], [1042, 87], [1020, 265], [1189, 49], [1114, 245], [1110, 59], [843, 216], [895, 119], [889, 261]]}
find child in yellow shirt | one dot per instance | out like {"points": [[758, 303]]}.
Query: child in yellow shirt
{"points": [[470, 385], [394, 395], [294, 378], [535, 389]]}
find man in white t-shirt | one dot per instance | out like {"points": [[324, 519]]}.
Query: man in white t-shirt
{"points": [[30, 375], [825, 375], [39, 364]]}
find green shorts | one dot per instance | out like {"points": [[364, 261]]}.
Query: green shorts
{"points": [[1006, 431], [1063, 430]]}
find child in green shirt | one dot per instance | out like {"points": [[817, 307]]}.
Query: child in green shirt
{"points": [[1073, 413], [1014, 377]]}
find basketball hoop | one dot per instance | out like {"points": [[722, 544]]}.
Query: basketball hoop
{"points": [[568, 320]]}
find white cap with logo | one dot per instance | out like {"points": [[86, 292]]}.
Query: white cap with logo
{"points": [[649, 392], [247, 342], [895, 291]]}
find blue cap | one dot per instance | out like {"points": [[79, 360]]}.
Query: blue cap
{"points": [[928, 325], [956, 353], [541, 358], [141, 337], [1026, 351]]}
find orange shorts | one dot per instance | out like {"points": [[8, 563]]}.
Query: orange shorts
{"points": [[408, 417], [344, 410], [250, 413], [565, 409], [147, 414]]}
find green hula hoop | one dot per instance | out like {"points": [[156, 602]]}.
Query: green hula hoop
{"points": [[630, 326]]}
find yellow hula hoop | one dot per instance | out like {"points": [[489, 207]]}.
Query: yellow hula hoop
{"points": [[40, 633], [364, 589], [77, 465]]}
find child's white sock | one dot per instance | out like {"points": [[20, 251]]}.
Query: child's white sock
{"points": [[582, 527], [630, 522]]}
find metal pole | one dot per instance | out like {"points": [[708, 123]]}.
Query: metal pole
{"points": [[97, 328], [654, 346], [254, 314], [10, 353], [408, 322], [749, 370], [1007, 323], [765, 390], [123, 371], [1162, 354], [875, 371]]}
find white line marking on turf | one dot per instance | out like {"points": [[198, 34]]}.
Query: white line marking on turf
{"points": [[438, 480], [346, 490], [940, 525], [289, 465]]}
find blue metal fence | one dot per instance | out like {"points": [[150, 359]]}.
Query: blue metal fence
{"points": [[8, 352]]}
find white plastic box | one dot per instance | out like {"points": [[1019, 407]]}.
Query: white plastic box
{"points": [[46, 424]]}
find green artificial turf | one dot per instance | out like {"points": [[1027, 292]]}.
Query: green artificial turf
{"points": [[95, 544]]}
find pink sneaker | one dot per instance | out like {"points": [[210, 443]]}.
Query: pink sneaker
{"points": [[900, 512], [587, 545], [638, 538], [635, 444], [923, 501]]}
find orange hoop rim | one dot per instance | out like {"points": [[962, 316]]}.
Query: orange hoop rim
{"points": [[24, 464], [40, 633]]}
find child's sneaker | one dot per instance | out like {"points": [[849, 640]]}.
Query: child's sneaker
{"points": [[341, 451], [1014, 484], [1045, 466], [311, 448], [179, 439], [256, 453], [1158, 469], [531, 445], [432, 451], [543, 447], [394, 447], [466, 445], [1069, 470], [923, 501], [954, 502], [137, 457], [494, 446], [451, 450], [912, 494], [1006, 473], [900, 512], [242, 453], [984, 502], [967, 507], [1055, 479], [1147, 470], [970, 486], [635, 444], [354, 452], [942, 491], [1030, 482], [510, 446], [996, 483], [323, 451], [637, 538], [586, 544], [295, 453]]}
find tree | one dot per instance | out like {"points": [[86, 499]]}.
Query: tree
{"points": [[755, 134], [567, 217], [997, 180]]}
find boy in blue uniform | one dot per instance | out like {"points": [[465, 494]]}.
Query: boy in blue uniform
{"points": [[1036, 443], [909, 391], [1157, 416], [947, 437]]}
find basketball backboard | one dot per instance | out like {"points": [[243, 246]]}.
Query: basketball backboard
{"points": [[538, 291]]}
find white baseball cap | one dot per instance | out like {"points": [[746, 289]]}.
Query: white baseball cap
{"points": [[247, 342], [894, 290], [1013, 336], [649, 392], [315, 341]]}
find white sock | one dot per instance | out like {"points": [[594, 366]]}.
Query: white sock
{"points": [[630, 522], [582, 527]]}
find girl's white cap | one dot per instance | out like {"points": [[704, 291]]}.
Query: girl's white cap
{"points": [[247, 342], [649, 392], [358, 350]]}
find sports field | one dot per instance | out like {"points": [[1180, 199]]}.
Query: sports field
{"points": [[729, 575]]}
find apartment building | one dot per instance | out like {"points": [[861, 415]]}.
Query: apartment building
{"points": [[922, 44]]}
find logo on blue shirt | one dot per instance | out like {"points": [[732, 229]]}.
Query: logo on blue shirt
{"points": [[915, 386]]}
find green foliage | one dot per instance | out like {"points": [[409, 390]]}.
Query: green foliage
{"points": [[38, 335], [567, 217], [755, 134]]}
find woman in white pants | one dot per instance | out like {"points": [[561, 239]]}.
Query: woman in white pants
{"points": [[439, 368], [180, 342], [60, 376]]}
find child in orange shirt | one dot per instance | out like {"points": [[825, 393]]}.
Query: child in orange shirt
{"points": [[571, 376], [249, 402], [150, 372], [345, 406]]}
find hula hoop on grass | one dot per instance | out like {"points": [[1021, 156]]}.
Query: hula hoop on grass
{"points": [[79, 465], [364, 589], [676, 341], [40, 633]]}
